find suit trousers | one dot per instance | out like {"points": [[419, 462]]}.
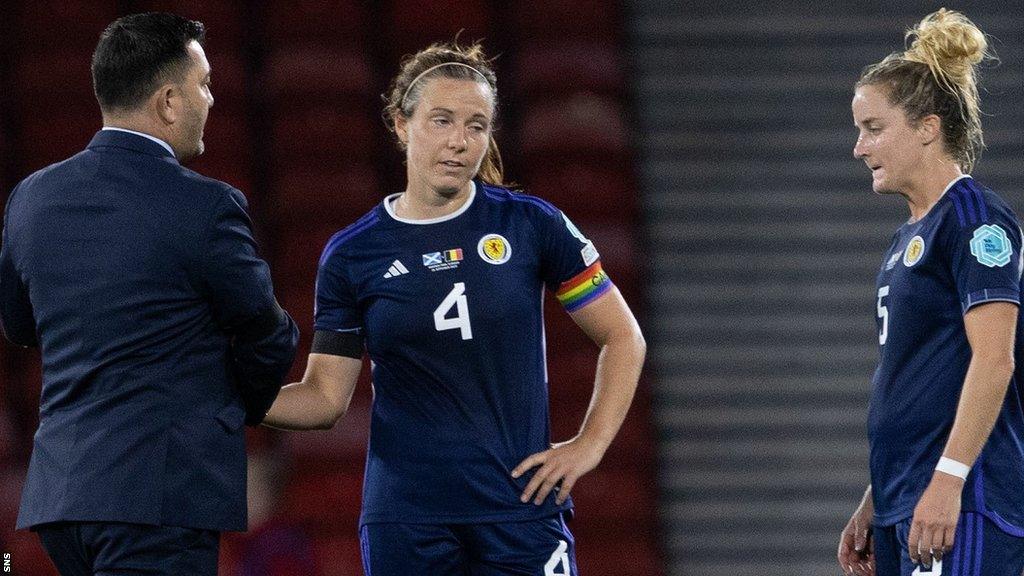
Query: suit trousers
{"points": [[119, 549]]}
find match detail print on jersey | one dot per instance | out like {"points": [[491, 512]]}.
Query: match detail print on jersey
{"points": [[583, 288], [991, 246], [444, 260]]}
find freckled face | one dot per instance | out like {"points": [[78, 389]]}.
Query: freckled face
{"points": [[447, 136]]}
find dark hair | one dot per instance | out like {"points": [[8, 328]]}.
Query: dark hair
{"points": [[469, 63], [137, 53], [938, 75]]}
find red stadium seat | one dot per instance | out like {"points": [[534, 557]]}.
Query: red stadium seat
{"points": [[583, 188], [228, 150], [333, 196], [49, 137], [48, 22], [326, 501], [229, 78], [342, 447], [226, 21], [544, 71], [561, 333], [39, 90], [334, 22], [583, 126], [560, 19], [305, 73], [618, 556], [613, 499], [325, 134], [296, 296], [296, 253], [415, 24], [339, 554]]}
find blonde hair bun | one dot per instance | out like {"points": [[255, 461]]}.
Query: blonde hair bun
{"points": [[950, 45]]}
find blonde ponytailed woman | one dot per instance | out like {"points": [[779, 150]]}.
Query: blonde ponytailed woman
{"points": [[946, 424]]}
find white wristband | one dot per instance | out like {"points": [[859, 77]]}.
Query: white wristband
{"points": [[953, 468]]}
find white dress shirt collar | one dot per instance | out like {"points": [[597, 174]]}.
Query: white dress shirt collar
{"points": [[153, 138]]}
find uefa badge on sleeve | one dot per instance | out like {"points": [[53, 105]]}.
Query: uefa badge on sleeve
{"points": [[991, 246]]}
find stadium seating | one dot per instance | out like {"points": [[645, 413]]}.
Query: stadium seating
{"points": [[296, 126], [413, 24], [225, 22]]}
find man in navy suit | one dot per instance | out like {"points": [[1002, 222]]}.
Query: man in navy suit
{"points": [[160, 334]]}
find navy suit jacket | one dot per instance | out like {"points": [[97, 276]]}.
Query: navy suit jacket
{"points": [[160, 337]]}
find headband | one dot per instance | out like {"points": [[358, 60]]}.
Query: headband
{"points": [[401, 102]]}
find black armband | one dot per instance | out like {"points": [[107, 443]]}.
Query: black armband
{"points": [[346, 344]]}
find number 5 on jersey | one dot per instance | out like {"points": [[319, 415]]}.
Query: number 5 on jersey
{"points": [[455, 299], [883, 315]]}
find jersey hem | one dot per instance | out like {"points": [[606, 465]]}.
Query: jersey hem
{"points": [[525, 516], [893, 518], [982, 507]]}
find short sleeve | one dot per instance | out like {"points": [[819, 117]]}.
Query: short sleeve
{"points": [[336, 308], [571, 265], [986, 259]]}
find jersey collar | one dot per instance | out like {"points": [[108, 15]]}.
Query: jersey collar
{"points": [[390, 208]]}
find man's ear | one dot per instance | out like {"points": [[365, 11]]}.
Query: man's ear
{"points": [[167, 102]]}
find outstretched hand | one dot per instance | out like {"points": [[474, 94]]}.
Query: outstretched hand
{"points": [[561, 465]]}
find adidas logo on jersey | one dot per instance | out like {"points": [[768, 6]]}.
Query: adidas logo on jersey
{"points": [[396, 269]]}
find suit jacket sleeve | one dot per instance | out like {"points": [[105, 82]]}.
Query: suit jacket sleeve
{"points": [[16, 316], [237, 284]]}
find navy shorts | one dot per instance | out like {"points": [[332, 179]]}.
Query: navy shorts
{"points": [[980, 548], [117, 549], [535, 547]]}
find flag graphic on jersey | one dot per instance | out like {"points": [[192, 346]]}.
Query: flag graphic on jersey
{"points": [[583, 288], [445, 260]]}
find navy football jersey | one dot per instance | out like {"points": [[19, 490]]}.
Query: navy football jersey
{"points": [[964, 252], [451, 312]]}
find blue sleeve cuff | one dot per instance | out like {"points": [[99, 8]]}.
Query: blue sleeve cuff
{"points": [[990, 295]]}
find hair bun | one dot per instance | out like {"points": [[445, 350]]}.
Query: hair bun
{"points": [[949, 43]]}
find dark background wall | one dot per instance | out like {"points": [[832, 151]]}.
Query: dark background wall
{"points": [[296, 126]]}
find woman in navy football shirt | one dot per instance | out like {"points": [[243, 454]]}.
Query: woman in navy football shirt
{"points": [[442, 285], [945, 419]]}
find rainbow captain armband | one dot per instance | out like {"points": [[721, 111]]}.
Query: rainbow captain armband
{"points": [[583, 288]]}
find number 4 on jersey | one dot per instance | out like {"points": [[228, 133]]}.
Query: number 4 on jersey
{"points": [[455, 299], [558, 564], [935, 569]]}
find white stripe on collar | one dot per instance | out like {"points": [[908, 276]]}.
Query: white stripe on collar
{"points": [[390, 201]]}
